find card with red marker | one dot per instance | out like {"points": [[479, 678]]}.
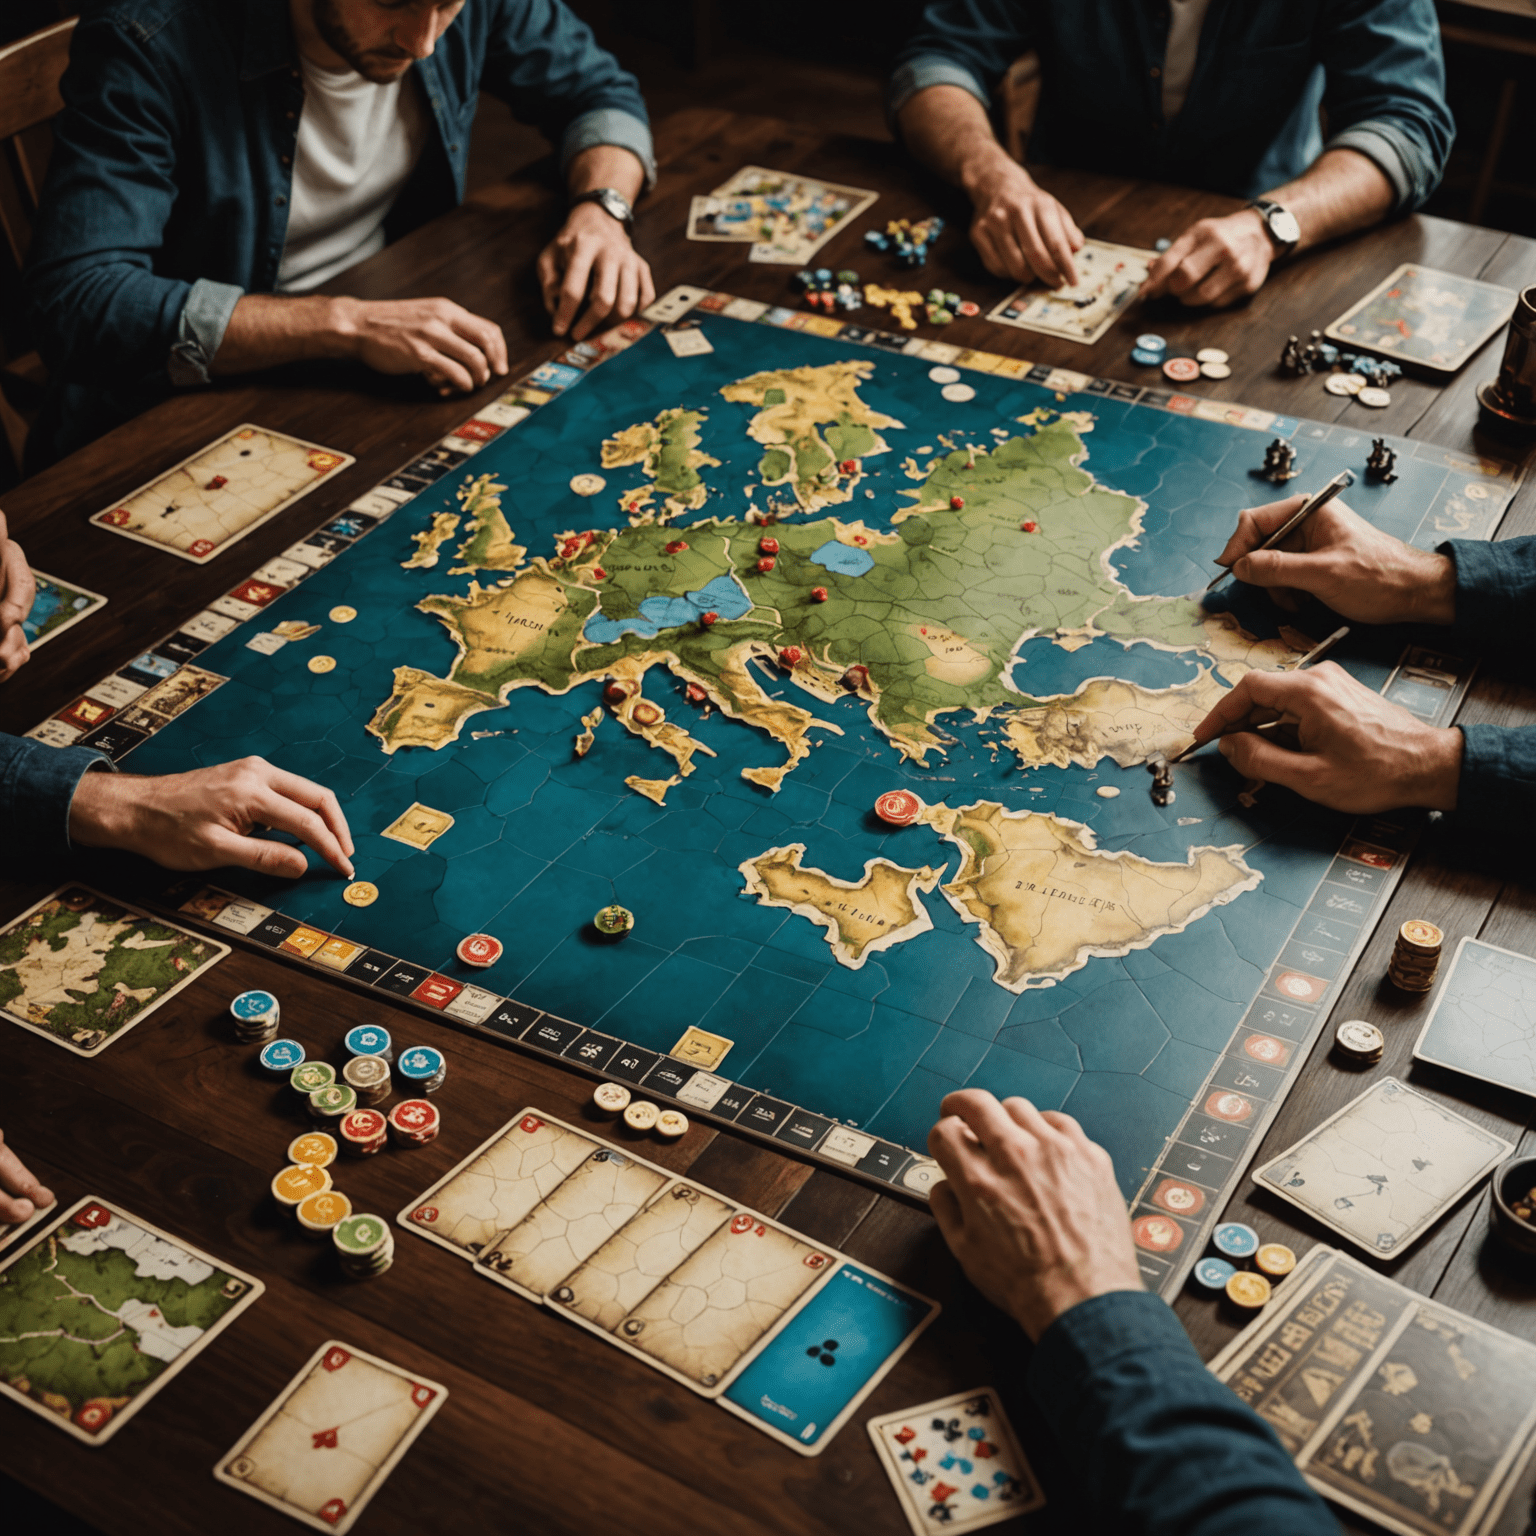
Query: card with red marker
{"points": [[336, 1431], [1434, 320], [956, 1463]]}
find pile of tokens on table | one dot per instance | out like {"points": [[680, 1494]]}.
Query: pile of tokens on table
{"points": [[1416, 956], [1236, 1245], [1359, 1042], [1151, 351], [906, 239], [639, 1114]]}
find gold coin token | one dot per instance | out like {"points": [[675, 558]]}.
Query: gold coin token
{"points": [[322, 663], [1420, 934], [361, 893], [1275, 1259], [1248, 1290], [342, 614]]}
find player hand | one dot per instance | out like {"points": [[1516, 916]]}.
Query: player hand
{"points": [[1030, 1207], [20, 1192], [591, 258], [1356, 751], [1019, 230], [1336, 556], [1215, 261], [451, 348], [204, 819], [17, 591]]}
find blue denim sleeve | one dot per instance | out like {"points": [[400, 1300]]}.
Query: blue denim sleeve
{"points": [[37, 783], [1153, 1443], [969, 43], [1495, 590], [1385, 91]]}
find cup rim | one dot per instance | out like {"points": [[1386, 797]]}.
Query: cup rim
{"points": [[1500, 1174]]}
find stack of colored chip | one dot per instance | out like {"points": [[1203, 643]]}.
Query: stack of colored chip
{"points": [[1235, 1240], [296, 1182], [1359, 1042], [422, 1069], [479, 949], [328, 1105], [256, 1016], [311, 1076], [610, 1098], [1149, 350], [363, 1132], [1213, 1273], [414, 1122], [280, 1057], [1213, 363], [1247, 1290], [369, 1077], [671, 1124], [314, 1149], [1416, 956], [364, 1246], [370, 1040], [318, 1213]]}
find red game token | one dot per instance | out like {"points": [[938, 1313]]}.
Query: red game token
{"points": [[849, 466], [790, 656], [479, 949], [1030, 527], [900, 807], [766, 563], [818, 594], [856, 678], [696, 694], [1181, 369], [768, 546], [677, 546], [706, 619], [616, 692], [957, 502]]}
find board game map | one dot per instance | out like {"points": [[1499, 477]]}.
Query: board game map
{"points": [[1008, 575]]}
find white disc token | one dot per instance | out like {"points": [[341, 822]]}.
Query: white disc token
{"points": [[1344, 383], [1216, 370], [958, 392], [587, 485], [642, 1115], [1375, 397], [611, 1097], [1107, 792], [1211, 355], [1357, 1037], [943, 374]]}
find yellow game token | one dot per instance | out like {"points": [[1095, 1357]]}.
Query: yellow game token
{"points": [[642, 1115], [1248, 1290], [342, 614], [322, 663], [313, 1148], [294, 1183], [361, 893], [319, 1212], [1275, 1260]]}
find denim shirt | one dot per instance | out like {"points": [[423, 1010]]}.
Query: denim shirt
{"points": [[1251, 119], [168, 190]]}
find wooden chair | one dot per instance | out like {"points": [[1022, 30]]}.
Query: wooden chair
{"points": [[30, 71]]}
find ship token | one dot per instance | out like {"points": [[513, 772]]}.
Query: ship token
{"points": [[343, 613], [1145, 358], [361, 893], [671, 1124], [1215, 371], [322, 663], [614, 921], [1376, 398], [1181, 369], [1274, 1260], [958, 392], [642, 1115], [944, 375], [1360, 1040], [1344, 383], [1236, 1240], [899, 807], [610, 1098], [1211, 355], [314, 1149], [587, 485], [479, 949], [1213, 1273], [1150, 341], [1248, 1290]]}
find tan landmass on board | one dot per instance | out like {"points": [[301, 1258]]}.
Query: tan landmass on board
{"points": [[652, 789], [431, 540], [490, 545], [425, 711], [861, 917], [668, 452]]}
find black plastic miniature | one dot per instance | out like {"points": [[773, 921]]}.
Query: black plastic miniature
{"points": [[1381, 466], [1279, 463], [1162, 780]]}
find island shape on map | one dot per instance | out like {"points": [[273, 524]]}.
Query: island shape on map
{"points": [[933, 611]]}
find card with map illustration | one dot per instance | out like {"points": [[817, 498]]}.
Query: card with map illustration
{"points": [[57, 606], [101, 1309], [219, 494], [1386, 1167], [81, 969], [1108, 279], [335, 1432], [1435, 320], [11, 1230], [785, 217], [1483, 1021]]}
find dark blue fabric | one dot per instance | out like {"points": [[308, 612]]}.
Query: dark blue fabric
{"points": [[168, 167], [37, 783], [1250, 120], [1153, 1444]]}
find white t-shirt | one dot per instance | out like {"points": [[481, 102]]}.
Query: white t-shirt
{"points": [[1185, 18], [358, 143]]}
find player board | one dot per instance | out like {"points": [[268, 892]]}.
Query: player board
{"points": [[981, 601]]}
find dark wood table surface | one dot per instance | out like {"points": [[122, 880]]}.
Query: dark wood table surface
{"points": [[546, 1428]]}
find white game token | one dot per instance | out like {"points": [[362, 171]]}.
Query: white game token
{"points": [[642, 1115], [1107, 792], [1216, 370], [1375, 397], [1211, 355], [958, 392], [610, 1098], [944, 375], [671, 1124], [1344, 383], [587, 485]]}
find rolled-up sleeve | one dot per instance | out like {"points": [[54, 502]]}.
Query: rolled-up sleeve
{"points": [[200, 330], [968, 43], [610, 125], [37, 784]]}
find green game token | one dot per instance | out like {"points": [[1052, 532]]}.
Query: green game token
{"points": [[357, 1236], [334, 1099], [614, 920], [311, 1076]]}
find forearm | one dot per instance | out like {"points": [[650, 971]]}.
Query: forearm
{"points": [[606, 165], [1340, 192], [947, 129], [268, 329], [37, 785]]}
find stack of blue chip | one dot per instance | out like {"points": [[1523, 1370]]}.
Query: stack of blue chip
{"points": [[1149, 350]]}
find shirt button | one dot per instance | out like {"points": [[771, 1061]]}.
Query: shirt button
{"points": [[1155, 72], [287, 160], [279, 201]]}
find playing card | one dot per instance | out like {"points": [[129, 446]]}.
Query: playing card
{"points": [[788, 218], [1434, 319], [689, 341], [81, 970], [1483, 1022], [1108, 279], [956, 1463], [1383, 1169], [180, 691], [58, 604], [100, 1310], [219, 494], [11, 1230], [806, 1382], [336, 1431]]}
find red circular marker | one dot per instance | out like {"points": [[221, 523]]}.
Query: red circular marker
{"points": [[616, 692], [1156, 1234], [706, 619], [479, 949], [696, 694], [677, 546], [1181, 369], [790, 656], [957, 502], [599, 574], [818, 594], [900, 807], [766, 563], [768, 546], [1030, 527], [849, 466]]}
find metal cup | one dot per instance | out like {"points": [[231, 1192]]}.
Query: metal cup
{"points": [[1509, 401]]}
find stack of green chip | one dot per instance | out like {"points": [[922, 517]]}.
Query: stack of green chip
{"points": [[365, 1246]]}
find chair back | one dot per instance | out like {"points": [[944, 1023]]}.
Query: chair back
{"points": [[30, 71]]}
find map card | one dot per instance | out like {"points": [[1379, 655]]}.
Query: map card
{"points": [[58, 604], [1108, 279], [1399, 1408], [1386, 1167], [1435, 320], [335, 1432], [1483, 1021], [786, 217], [81, 969], [99, 1311], [221, 493]]}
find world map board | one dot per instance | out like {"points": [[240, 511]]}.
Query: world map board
{"points": [[981, 600]]}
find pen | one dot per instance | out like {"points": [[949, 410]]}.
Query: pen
{"points": [[1340, 481]]}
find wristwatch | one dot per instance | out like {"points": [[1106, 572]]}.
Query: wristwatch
{"points": [[616, 205], [1281, 224]]}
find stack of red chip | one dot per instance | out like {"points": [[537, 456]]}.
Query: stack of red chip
{"points": [[414, 1122], [363, 1132], [899, 807]]}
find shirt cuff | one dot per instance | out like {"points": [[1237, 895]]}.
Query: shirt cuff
{"points": [[1497, 787], [200, 331], [1394, 154], [37, 790], [610, 125], [930, 69], [1078, 1346]]}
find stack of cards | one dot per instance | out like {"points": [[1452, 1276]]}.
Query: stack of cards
{"points": [[1108, 279], [1484, 1019], [785, 218], [1434, 319], [782, 1332]]}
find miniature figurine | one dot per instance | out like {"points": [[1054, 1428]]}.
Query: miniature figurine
{"points": [[1162, 780], [1382, 463], [1290, 358], [1279, 463]]}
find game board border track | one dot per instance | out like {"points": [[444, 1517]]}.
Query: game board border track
{"points": [[786, 1127]]}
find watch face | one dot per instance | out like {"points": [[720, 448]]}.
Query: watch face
{"points": [[1283, 226]]}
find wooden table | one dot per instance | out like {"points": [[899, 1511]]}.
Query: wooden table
{"points": [[546, 1428]]}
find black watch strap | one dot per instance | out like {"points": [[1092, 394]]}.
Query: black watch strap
{"points": [[1284, 231], [613, 203]]}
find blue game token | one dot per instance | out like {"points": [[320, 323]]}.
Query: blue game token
{"points": [[1214, 1273], [422, 1067], [281, 1057], [369, 1040], [1150, 341], [1236, 1240], [1145, 358], [250, 1006]]}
